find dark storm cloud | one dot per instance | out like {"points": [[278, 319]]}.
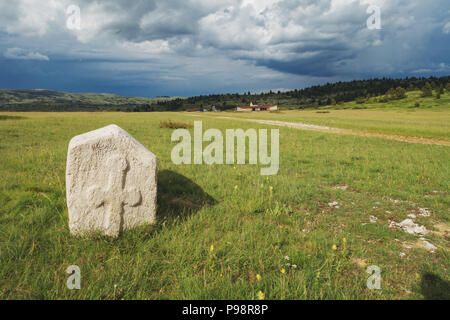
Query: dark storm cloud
{"points": [[201, 44]]}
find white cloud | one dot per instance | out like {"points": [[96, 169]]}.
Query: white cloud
{"points": [[21, 54], [446, 28], [31, 17]]}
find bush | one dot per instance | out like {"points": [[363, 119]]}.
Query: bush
{"points": [[400, 93], [361, 100], [397, 94], [417, 105], [427, 90]]}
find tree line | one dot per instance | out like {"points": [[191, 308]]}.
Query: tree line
{"points": [[319, 95]]}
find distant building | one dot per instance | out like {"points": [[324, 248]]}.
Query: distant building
{"points": [[255, 107]]}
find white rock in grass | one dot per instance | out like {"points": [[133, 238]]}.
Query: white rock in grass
{"points": [[409, 226], [333, 204], [428, 245], [424, 212], [340, 188], [110, 182]]}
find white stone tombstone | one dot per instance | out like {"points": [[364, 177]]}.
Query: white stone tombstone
{"points": [[111, 182]]}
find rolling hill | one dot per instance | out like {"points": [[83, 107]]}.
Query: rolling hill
{"points": [[47, 100]]}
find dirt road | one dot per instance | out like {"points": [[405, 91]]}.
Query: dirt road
{"points": [[311, 127]]}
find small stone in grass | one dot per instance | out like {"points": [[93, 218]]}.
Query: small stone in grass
{"points": [[424, 212], [333, 204], [409, 226], [428, 245]]}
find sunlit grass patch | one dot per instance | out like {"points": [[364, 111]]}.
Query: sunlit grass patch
{"points": [[224, 231]]}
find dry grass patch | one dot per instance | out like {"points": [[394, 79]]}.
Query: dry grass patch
{"points": [[174, 125]]}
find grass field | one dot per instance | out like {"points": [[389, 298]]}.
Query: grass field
{"points": [[225, 231]]}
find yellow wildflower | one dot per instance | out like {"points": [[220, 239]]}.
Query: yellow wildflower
{"points": [[211, 249], [334, 247], [260, 295], [258, 277], [283, 271]]}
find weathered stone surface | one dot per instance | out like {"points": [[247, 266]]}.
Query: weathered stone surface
{"points": [[111, 182]]}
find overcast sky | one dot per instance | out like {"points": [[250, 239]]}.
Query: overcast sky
{"points": [[191, 47]]}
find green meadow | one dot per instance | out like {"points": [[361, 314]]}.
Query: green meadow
{"points": [[401, 117], [225, 231]]}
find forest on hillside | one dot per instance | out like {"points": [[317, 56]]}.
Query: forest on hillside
{"points": [[312, 97]]}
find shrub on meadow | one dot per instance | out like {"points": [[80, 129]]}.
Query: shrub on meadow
{"points": [[427, 90]]}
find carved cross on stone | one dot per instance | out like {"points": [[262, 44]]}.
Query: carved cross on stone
{"points": [[115, 196], [110, 183]]}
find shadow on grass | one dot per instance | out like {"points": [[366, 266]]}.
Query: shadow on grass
{"points": [[434, 287], [179, 197]]}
